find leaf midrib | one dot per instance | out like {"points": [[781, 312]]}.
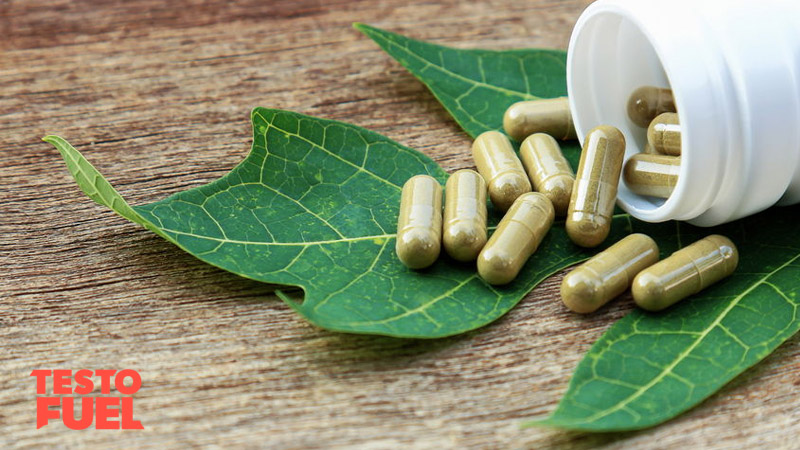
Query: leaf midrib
{"points": [[322, 242], [279, 244]]}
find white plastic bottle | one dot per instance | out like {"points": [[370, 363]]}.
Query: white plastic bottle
{"points": [[734, 69]]}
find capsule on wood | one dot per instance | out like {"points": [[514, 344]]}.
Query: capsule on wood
{"points": [[686, 272], [652, 175], [517, 236], [647, 102], [419, 225], [465, 215], [501, 168], [594, 194], [664, 134], [550, 116], [608, 274], [548, 170]]}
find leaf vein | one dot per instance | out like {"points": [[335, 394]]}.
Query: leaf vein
{"points": [[686, 353]]}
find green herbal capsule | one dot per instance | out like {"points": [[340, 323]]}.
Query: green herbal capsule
{"points": [[465, 215], [419, 226], [550, 116], [517, 236], [686, 272], [608, 274], [548, 170], [498, 163], [647, 102], [594, 194], [652, 175], [664, 134]]}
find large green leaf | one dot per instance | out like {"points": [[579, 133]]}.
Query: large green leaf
{"points": [[477, 86], [315, 205], [648, 367]]}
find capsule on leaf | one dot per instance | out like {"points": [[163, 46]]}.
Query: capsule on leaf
{"points": [[517, 237], [501, 168], [685, 272], [608, 274], [465, 215], [419, 225], [548, 170]]}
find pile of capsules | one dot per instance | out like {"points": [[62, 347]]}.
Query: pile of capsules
{"points": [[539, 185]]}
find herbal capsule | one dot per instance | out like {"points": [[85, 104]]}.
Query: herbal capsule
{"points": [[551, 116], [664, 134], [647, 102], [686, 272], [498, 163], [517, 236], [419, 226], [548, 170], [608, 274], [465, 215], [591, 206], [653, 175], [649, 150]]}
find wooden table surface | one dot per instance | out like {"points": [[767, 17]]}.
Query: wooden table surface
{"points": [[157, 95]]}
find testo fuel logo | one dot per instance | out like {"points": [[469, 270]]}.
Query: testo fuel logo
{"points": [[70, 402]]}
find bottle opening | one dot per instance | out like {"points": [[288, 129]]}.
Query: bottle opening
{"points": [[611, 56], [737, 99]]}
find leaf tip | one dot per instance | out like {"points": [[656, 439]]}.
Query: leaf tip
{"points": [[59, 143], [363, 28]]}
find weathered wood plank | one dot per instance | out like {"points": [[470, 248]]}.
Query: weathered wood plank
{"points": [[157, 95]]}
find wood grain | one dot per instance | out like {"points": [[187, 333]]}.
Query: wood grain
{"points": [[157, 95]]}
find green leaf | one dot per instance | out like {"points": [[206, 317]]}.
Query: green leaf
{"points": [[650, 367], [315, 205], [477, 86]]}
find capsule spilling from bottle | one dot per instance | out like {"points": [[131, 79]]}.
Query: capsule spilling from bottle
{"points": [[647, 102], [652, 175], [549, 116], [664, 134], [594, 194]]}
